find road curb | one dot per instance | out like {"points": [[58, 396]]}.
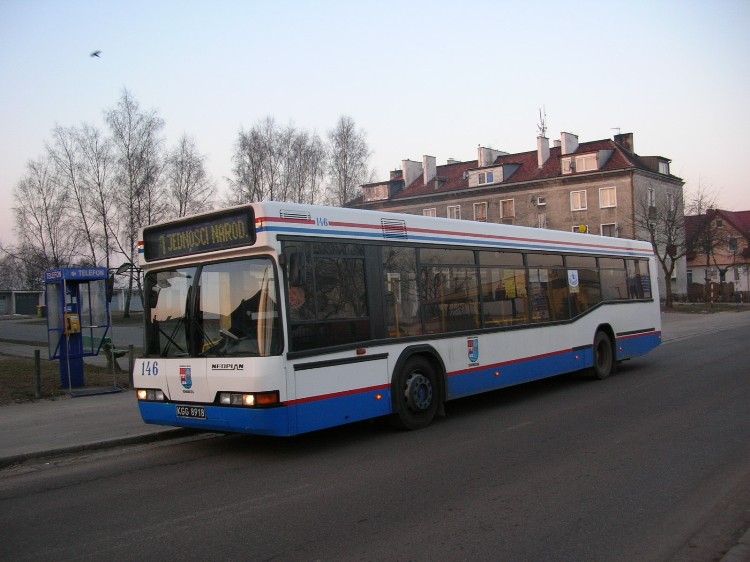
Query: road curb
{"points": [[164, 435]]}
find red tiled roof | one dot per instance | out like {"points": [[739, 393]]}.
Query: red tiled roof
{"points": [[453, 177], [740, 221]]}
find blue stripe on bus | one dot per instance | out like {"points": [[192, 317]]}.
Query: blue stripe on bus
{"points": [[320, 412], [562, 246], [300, 417], [492, 377], [637, 345], [341, 408], [266, 421]]}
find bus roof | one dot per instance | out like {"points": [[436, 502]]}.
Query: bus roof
{"points": [[272, 219], [312, 220]]}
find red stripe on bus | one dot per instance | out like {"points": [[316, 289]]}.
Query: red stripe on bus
{"points": [[336, 395]]}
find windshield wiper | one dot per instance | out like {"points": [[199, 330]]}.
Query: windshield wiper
{"points": [[170, 338]]}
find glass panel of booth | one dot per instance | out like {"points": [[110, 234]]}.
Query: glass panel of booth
{"points": [[54, 315], [94, 317]]}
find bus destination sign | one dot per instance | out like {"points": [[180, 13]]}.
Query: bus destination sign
{"points": [[218, 231]]}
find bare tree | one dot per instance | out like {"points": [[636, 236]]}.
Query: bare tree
{"points": [[97, 162], [660, 218], [11, 273], [248, 168], [282, 164], [188, 183], [305, 168], [137, 140], [41, 212], [703, 238], [66, 154], [348, 156]]}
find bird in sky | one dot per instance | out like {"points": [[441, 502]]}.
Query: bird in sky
{"points": [[96, 54]]}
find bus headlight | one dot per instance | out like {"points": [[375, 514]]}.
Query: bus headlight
{"points": [[150, 395], [255, 399]]}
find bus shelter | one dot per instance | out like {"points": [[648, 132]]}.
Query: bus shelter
{"points": [[77, 318]]}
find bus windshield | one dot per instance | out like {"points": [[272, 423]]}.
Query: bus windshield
{"points": [[226, 309]]}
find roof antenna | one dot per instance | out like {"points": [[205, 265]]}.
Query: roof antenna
{"points": [[542, 127]]}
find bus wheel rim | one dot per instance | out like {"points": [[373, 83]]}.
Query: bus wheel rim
{"points": [[418, 392]]}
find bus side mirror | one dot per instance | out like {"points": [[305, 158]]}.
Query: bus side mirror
{"points": [[297, 269]]}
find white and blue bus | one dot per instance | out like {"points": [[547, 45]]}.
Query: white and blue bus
{"points": [[279, 319]]}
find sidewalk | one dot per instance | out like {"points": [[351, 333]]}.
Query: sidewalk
{"points": [[66, 425]]}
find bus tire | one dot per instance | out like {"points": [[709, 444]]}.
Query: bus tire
{"points": [[604, 359], [416, 394]]}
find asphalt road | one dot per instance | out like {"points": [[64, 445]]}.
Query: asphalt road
{"points": [[651, 464]]}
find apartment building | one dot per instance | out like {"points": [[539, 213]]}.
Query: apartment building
{"points": [[595, 187]]}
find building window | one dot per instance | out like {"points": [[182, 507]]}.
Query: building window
{"points": [[609, 230], [480, 212], [586, 163], [651, 197], [486, 177], [664, 167], [578, 201], [541, 220], [733, 245], [565, 163], [607, 197], [454, 211], [430, 212], [507, 209], [670, 202]]}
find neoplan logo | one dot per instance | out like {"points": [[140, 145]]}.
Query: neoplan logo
{"points": [[227, 366]]}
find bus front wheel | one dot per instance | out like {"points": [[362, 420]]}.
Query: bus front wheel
{"points": [[603, 355], [417, 394]]}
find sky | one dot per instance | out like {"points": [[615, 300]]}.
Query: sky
{"points": [[418, 77]]}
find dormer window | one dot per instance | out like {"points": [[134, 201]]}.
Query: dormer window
{"points": [[567, 166], [486, 177], [583, 163], [664, 167], [586, 163]]}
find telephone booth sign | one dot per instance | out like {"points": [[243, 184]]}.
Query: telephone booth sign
{"points": [[77, 318]]}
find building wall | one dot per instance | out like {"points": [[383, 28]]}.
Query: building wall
{"points": [[527, 210]]}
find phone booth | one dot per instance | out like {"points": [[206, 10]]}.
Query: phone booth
{"points": [[77, 318]]}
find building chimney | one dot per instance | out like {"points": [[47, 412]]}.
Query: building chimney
{"points": [[411, 170], [556, 143], [487, 156], [542, 150], [626, 141], [569, 143], [429, 167]]}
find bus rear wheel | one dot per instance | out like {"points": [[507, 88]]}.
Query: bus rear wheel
{"points": [[416, 394], [603, 355]]}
